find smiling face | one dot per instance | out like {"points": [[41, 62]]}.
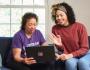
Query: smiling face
{"points": [[30, 25], [61, 18]]}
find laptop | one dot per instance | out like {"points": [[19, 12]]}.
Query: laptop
{"points": [[41, 54]]}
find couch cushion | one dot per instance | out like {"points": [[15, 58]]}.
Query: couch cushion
{"points": [[3, 68], [0, 61], [5, 43]]}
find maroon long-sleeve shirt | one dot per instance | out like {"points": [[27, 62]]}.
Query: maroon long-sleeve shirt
{"points": [[74, 39]]}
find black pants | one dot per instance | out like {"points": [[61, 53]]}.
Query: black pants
{"points": [[54, 65], [20, 66], [60, 65]]}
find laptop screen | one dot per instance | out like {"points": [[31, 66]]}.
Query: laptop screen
{"points": [[41, 53]]}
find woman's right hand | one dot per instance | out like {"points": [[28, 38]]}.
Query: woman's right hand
{"points": [[55, 39], [29, 60]]}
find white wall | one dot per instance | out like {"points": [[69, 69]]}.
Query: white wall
{"points": [[81, 9]]}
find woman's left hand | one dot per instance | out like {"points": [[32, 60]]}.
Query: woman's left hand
{"points": [[64, 57]]}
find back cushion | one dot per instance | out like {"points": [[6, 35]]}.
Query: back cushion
{"points": [[5, 45]]}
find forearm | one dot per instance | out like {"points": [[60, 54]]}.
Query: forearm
{"points": [[80, 52], [18, 59], [17, 54], [45, 44]]}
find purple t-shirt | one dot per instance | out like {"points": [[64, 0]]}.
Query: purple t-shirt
{"points": [[20, 40]]}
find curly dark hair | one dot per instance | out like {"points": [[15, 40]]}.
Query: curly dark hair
{"points": [[27, 16], [70, 13]]}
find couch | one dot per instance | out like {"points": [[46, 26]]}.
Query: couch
{"points": [[5, 43]]}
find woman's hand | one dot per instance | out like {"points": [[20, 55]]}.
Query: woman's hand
{"points": [[63, 56], [18, 58], [55, 39], [29, 60], [57, 56]]}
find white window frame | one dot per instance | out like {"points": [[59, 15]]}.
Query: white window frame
{"points": [[24, 6]]}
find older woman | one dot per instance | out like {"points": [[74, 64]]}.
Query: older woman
{"points": [[27, 36]]}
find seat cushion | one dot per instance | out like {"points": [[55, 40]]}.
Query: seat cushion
{"points": [[4, 68]]}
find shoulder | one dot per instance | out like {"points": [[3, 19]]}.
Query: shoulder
{"points": [[19, 34], [54, 26], [77, 24], [37, 31], [80, 27]]}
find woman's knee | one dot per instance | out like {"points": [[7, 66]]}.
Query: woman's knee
{"points": [[71, 62], [83, 62]]}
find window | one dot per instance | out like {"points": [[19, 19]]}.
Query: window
{"points": [[11, 12]]}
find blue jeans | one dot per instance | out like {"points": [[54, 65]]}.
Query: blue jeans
{"points": [[82, 63]]}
